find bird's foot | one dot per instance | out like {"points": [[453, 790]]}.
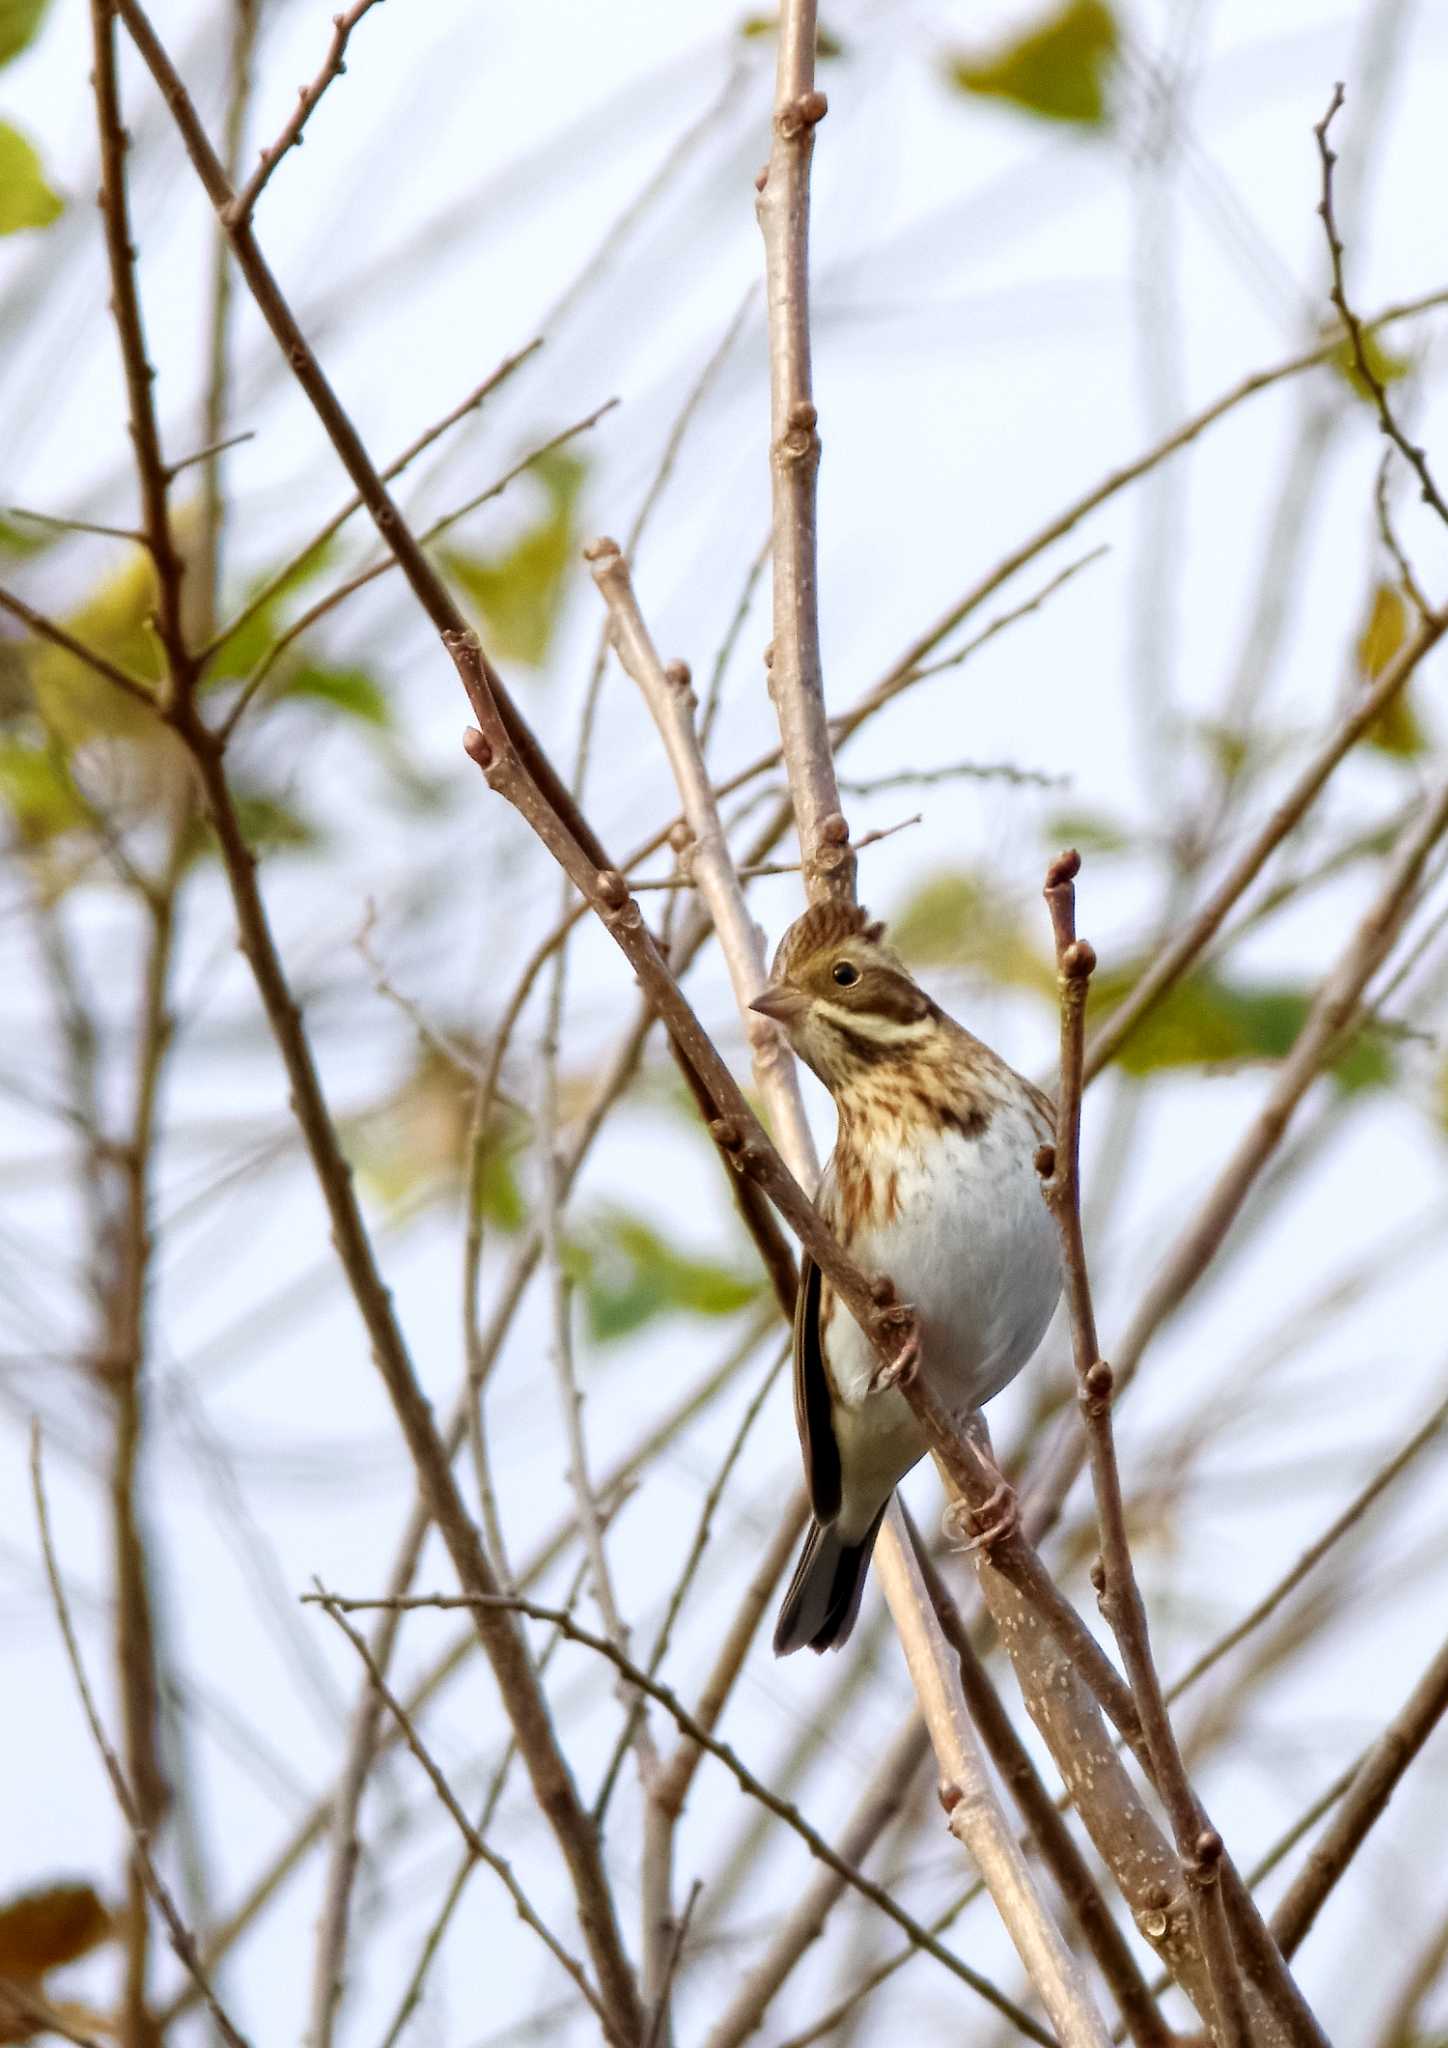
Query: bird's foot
{"points": [[991, 1521], [900, 1370]]}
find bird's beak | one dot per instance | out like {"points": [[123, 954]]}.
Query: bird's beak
{"points": [[782, 1003]]}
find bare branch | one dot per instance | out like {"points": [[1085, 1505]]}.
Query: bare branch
{"points": [[1198, 1844], [1349, 1519], [48, 629], [291, 137], [1114, 1958], [1372, 1787], [974, 1813], [1179, 953], [182, 1939], [794, 661], [721, 1751], [1387, 420], [479, 1848], [151, 471]]}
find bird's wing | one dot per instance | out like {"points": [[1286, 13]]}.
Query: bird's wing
{"points": [[812, 1414]]}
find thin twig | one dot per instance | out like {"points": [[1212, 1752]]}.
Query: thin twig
{"points": [[286, 1861], [1349, 1519], [267, 590], [685, 1580], [756, 1789], [291, 136], [479, 1848], [125, 303], [135, 687], [1181, 952], [60, 525], [1372, 1787], [182, 1939], [212, 448], [1387, 420], [340, 592], [1198, 1844]]}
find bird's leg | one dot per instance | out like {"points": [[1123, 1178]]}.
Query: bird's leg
{"points": [[896, 1316], [998, 1516]]}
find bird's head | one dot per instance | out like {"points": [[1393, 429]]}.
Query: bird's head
{"points": [[843, 997]]}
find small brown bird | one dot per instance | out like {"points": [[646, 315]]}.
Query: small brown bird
{"points": [[933, 1183]]}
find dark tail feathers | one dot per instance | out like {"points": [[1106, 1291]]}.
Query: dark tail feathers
{"points": [[824, 1594]]}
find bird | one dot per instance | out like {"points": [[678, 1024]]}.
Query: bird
{"points": [[933, 1184]]}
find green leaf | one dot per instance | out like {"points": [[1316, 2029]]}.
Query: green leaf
{"points": [[37, 791], [1396, 729], [959, 919], [269, 822], [1059, 69], [19, 25], [629, 1273], [414, 1142], [1385, 366], [520, 591], [1206, 1020], [350, 690], [26, 201], [755, 27], [19, 539], [115, 619], [1088, 831], [239, 654]]}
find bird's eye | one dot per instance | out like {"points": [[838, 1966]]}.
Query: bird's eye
{"points": [[845, 973]]}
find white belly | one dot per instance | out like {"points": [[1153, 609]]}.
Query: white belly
{"points": [[973, 1249]]}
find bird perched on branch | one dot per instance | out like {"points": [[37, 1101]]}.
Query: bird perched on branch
{"points": [[932, 1183]]}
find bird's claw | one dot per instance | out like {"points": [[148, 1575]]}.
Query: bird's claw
{"points": [[902, 1368], [981, 1528], [995, 1519]]}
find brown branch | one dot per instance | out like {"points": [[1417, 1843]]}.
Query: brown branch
{"points": [[289, 1858], [1198, 1844], [182, 1939], [478, 1847], [1118, 480], [1332, 1008], [291, 137], [1371, 1789], [756, 1789], [1179, 953], [134, 687], [882, 1801], [266, 591], [427, 586], [25, 2014], [125, 302], [1113, 1956], [974, 1814], [794, 457], [1387, 422], [522, 1697], [1350, 1517], [349, 586]]}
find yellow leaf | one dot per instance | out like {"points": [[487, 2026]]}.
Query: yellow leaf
{"points": [[1396, 729], [1059, 69], [26, 201], [1385, 366], [1383, 634], [958, 918]]}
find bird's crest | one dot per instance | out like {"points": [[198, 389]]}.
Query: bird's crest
{"points": [[823, 925]]}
